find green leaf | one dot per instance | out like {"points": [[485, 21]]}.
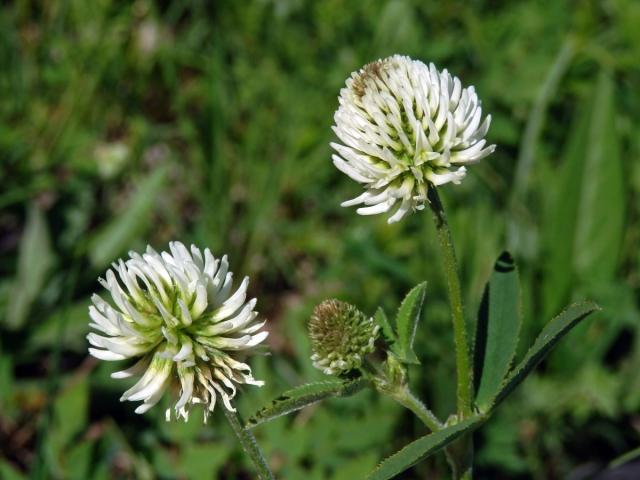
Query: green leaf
{"points": [[46, 333], [70, 413], [6, 381], [78, 459], [203, 460], [550, 335], [356, 467], [35, 259], [422, 448], [116, 236], [589, 193], [305, 395], [382, 320], [497, 331], [407, 322]]}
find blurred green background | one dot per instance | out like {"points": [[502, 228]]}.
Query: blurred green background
{"points": [[127, 123]]}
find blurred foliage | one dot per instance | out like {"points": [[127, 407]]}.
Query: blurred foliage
{"points": [[126, 123]]}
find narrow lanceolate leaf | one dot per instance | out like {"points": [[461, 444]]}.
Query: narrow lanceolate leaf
{"points": [[422, 448], [35, 259], [407, 322], [498, 328], [551, 334], [305, 395], [382, 320]]}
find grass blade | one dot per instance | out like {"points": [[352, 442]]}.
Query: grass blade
{"points": [[589, 193]]}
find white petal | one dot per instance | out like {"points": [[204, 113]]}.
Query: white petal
{"points": [[105, 354], [186, 380], [137, 369], [442, 178], [185, 351], [375, 209], [151, 386], [231, 305]]}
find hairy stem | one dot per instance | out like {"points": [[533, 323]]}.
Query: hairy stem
{"points": [[408, 400], [249, 445], [464, 372], [460, 455]]}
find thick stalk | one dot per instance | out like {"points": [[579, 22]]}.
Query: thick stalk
{"points": [[249, 445], [460, 454], [463, 367]]}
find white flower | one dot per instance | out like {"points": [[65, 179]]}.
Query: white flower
{"points": [[176, 312], [405, 125]]}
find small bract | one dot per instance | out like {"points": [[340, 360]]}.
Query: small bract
{"points": [[177, 313], [405, 126]]}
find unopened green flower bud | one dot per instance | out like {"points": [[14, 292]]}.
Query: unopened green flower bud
{"points": [[341, 336], [395, 371]]}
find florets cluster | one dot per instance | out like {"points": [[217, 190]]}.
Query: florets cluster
{"points": [[405, 126], [178, 314], [340, 336]]}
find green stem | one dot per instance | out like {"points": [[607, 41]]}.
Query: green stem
{"points": [[249, 445], [457, 460], [460, 455], [408, 400], [464, 373]]}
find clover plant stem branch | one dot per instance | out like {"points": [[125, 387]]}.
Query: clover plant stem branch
{"points": [[401, 393], [249, 445], [407, 399], [463, 366]]}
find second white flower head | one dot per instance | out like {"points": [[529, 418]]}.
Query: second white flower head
{"points": [[177, 313], [405, 125]]}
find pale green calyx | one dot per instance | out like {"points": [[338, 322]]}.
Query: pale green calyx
{"points": [[341, 336], [177, 313]]}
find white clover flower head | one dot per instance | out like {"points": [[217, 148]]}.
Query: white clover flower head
{"points": [[404, 127], [177, 313], [341, 336]]}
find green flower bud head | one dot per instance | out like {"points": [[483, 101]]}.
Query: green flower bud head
{"points": [[341, 336]]}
